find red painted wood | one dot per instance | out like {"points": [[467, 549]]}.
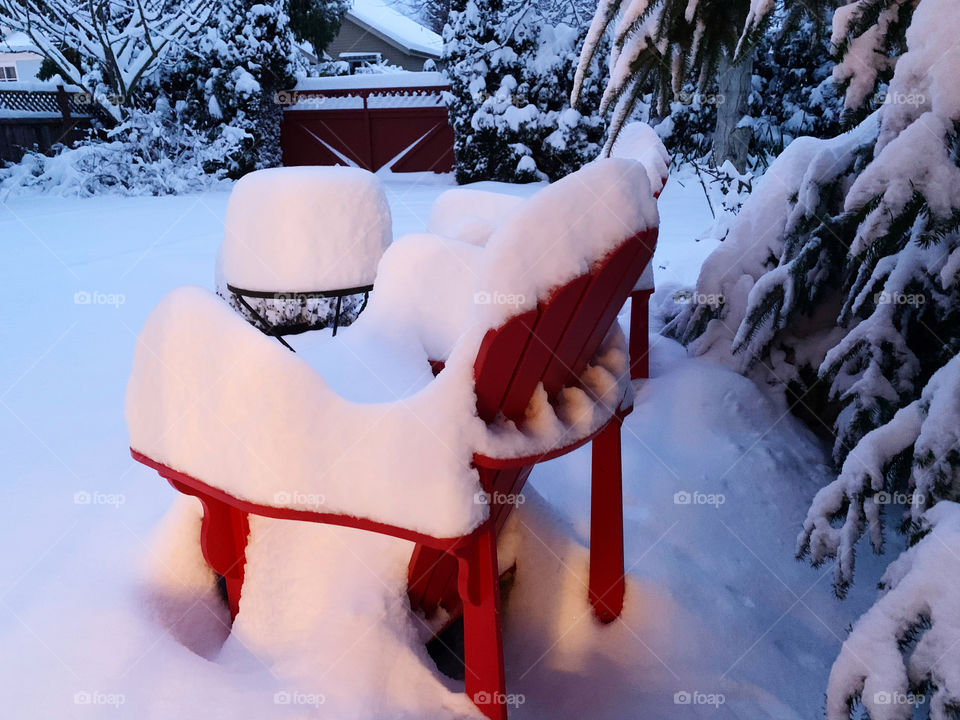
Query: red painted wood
{"points": [[434, 152], [283, 513], [598, 307], [479, 585], [223, 541], [640, 334], [550, 326], [646, 243], [497, 361], [607, 583], [369, 138]]}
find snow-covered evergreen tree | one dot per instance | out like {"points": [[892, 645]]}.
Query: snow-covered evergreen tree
{"points": [[840, 282], [230, 80], [317, 21], [511, 66], [664, 43], [792, 94]]}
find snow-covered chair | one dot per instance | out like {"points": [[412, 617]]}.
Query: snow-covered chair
{"points": [[538, 368], [301, 247], [471, 216]]}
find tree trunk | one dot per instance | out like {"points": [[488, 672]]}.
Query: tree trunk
{"points": [[729, 141]]}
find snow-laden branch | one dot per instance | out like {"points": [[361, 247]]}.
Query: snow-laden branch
{"points": [[106, 47], [902, 652]]}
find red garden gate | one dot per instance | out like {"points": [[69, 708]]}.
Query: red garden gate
{"points": [[395, 120]]}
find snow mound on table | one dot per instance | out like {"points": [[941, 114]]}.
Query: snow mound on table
{"points": [[301, 229], [556, 235], [470, 215], [214, 398], [638, 141]]}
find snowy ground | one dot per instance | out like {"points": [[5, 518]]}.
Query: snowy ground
{"points": [[720, 622]]}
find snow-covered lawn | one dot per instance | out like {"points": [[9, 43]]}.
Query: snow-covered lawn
{"points": [[720, 621]]}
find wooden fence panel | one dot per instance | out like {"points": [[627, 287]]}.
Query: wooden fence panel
{"points": [[405, 128]]}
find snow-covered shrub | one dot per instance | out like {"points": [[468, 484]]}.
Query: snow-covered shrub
{"points": [[840, 283], [511, 68], [155, 153], [230, 77]]}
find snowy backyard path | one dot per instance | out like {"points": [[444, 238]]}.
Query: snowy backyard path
{"points": [[717, 608]]}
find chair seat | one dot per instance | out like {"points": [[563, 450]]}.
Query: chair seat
{"points": [[365, 367]]}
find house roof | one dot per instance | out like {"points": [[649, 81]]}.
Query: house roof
{"points": [[382, 20], [17, 42]]}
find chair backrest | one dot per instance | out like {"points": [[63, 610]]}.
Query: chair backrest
{"points": [[553, 343]]}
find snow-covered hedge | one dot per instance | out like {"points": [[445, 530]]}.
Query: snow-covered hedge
{"points": [[840, 284], [511, 68], [149, 154]]}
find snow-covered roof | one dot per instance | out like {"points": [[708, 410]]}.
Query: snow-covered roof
{"points": [[395, 28], [401, 79], [18, 42]]}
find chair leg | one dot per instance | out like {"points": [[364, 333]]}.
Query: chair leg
{"points": [[478, 583], [223, 540], [607, 582], [640, 334]]}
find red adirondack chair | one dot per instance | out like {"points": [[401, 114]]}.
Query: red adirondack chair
{"points": [[552, 345]]}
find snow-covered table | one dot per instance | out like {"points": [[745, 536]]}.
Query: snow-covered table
{"points": [[301, 247]]}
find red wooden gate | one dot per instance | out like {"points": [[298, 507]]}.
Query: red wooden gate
{"points": [[394, 121]]}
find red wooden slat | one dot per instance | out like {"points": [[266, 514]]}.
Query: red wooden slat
{"points": [[561, 370], [620, 295], [551, 323], [497, 360], [640, 334]]}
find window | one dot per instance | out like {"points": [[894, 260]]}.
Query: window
{"points": [[357, 60], [8, 73]]}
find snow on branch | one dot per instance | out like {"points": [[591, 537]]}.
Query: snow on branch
{"points": [[902, 652], [927, 434], [106, 46]]}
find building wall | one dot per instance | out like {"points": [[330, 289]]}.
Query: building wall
{"points": [[353, 38], [28, 69], [27, 64]]}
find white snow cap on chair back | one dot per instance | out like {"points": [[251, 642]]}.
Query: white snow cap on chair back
{"points": [[559, 232], [301, 229], [638, 141], [470, 215]]}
